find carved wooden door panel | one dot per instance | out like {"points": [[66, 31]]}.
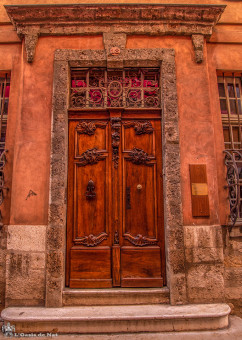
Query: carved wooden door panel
{"points": [[88, 221], [115, 208], [142, 213]]}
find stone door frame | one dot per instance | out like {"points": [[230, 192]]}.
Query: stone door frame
{"points": [[173, 219]]}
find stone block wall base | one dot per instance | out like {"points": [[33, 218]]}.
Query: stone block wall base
{"points": [[118, 319]]}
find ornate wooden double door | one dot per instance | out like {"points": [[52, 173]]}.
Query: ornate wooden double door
{"points": [[115, 201]]}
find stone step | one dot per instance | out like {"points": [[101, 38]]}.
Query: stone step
{"points": [[115, 296], [117, 319]]}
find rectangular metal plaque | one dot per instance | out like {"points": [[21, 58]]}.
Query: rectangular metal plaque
{"points": [[199, 189]]}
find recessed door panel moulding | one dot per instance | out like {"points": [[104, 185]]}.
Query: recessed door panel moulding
{"points": [[32, 21]]}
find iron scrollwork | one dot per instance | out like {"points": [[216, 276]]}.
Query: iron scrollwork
{"points": [[91, 156], [115, 126], [233, 158], [2, 187], [99, 88]]}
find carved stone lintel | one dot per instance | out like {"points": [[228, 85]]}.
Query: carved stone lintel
{"points": [[92, 240], [115, 126], [95, 19], [30, 41], [140, 240], [198, 43]]}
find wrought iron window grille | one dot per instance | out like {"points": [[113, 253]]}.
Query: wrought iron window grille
{"points": [[104, 88], [230, 89], [233, 162], [4, 96]]}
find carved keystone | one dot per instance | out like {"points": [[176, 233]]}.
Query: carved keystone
{"points": [[30, 45], [198, 42], [114, 44]]}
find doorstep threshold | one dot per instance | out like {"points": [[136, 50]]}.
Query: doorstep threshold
{"points": [[115, 296]]}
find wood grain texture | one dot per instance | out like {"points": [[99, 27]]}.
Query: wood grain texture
{"points": [[116, 265]]}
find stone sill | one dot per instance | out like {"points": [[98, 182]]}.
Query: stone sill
{"points": [[236, 230]]}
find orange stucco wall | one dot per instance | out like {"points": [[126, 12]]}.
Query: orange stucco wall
{"points": [[196, 119], [28, 135], [30, 120], [31, 158]]}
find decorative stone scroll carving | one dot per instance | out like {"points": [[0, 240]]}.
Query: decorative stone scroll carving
{"points": [[198, 43], [114, 46], [30, 41], [86, 19], [140, 240]]}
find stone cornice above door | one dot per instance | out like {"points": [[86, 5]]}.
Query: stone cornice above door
{"points": [[32, 21]]}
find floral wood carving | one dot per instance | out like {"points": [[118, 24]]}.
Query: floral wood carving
{"points": [[115, 126], [91, 156], [139, 156], [89, 127], [140, 127], [140, 240], [92, 240]]}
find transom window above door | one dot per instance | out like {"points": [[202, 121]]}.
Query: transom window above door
{"points": [[104, 88]]}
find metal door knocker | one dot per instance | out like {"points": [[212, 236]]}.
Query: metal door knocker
{"points": [[90, 193]]}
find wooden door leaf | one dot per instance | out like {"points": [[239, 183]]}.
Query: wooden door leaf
{"points": [[140, 240], [91, 156]]}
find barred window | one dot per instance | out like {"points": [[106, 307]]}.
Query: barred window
{"points": [[229, 86], [4, 98], [102, 88], [230, 96]]}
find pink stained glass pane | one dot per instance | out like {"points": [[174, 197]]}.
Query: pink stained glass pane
{"points": [[7, 90], [79, 79]]}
